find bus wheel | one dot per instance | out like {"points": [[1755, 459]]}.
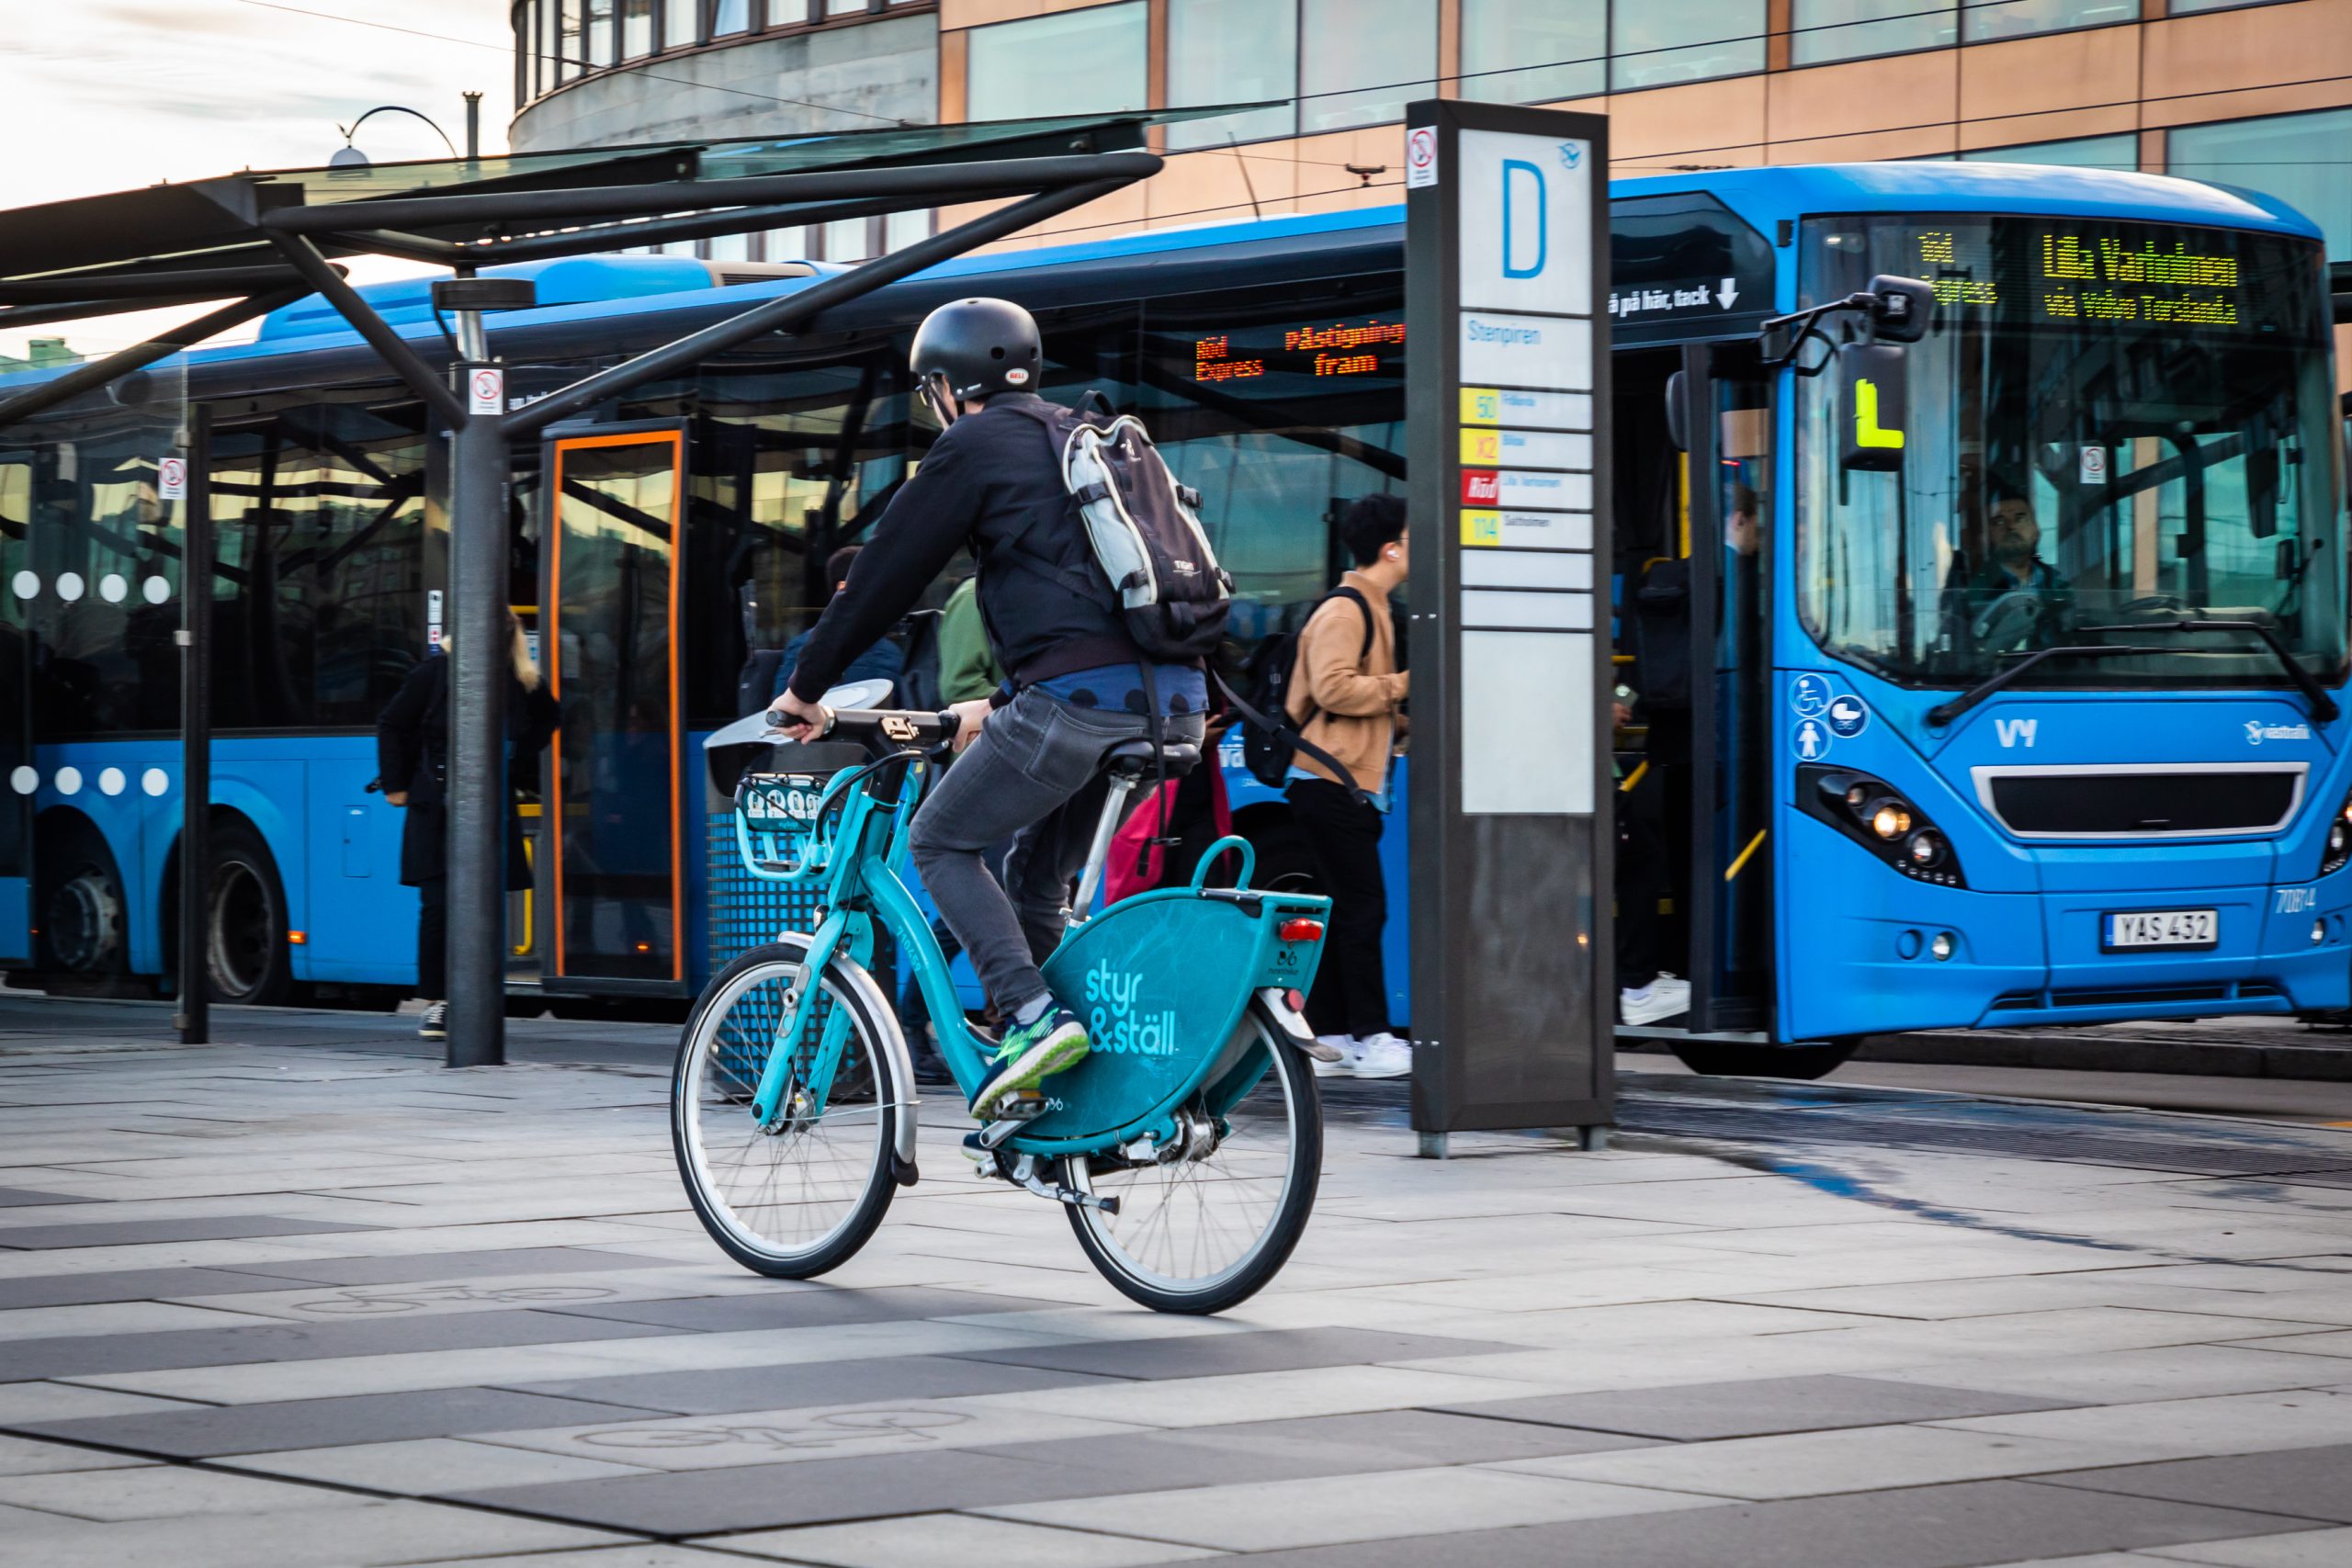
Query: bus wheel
{"points": [[246, 957], [85, 929], [1726, 1059]]}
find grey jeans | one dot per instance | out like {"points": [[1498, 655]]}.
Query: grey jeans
{"points": [[1034, 774]]}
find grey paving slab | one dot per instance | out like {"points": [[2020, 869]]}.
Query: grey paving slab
{"points": [[1929, 1527], [133, 1233], [85, 1356], [163, 1491], [956, 1540], [1693, 1412], [210, 1430], [128, 1285], [751, 1497], [654, 1555], [1405, 1438], [424, 1467], [26, 1198], [2314, 1548], [810, 1307], [26, 1456], [819, 1382], [1275, 1350], [394, 1270], [368, 1537], [2312, 1484]]}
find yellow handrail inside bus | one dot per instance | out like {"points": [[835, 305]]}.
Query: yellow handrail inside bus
{"points": [[1753, 845]]}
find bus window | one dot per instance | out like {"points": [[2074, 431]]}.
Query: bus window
{"points": [[319, 564], [2110, 426], [16, 709], [1278, 418]]}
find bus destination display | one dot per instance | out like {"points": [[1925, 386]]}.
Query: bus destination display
{"points": [[2069, 272], [1366, 347]]}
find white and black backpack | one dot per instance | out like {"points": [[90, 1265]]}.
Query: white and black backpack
{"points": [[1144, 528]]}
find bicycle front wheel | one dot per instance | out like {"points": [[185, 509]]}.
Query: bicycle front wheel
{"points": [[1206, 1228], [800, 1195]]}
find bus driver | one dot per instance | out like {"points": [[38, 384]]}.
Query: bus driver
{"points": [[2017, 600], [991, 483]]}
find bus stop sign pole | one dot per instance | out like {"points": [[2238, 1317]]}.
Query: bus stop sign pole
{"points": [[479, 674], [1506, 263]]}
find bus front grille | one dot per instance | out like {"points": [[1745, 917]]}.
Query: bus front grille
{"points": [[2170, 800]]}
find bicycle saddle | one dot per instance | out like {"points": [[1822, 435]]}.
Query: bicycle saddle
{"points": [[1133, 759]]}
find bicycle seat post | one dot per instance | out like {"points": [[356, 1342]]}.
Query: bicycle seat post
{"points": [[1123, 777]]}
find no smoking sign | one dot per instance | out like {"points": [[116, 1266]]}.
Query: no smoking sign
{"points": [[488, 389], [171, 478]]}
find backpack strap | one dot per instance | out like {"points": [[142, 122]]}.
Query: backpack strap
{"points": [[1056, 420], [1298, 742]]}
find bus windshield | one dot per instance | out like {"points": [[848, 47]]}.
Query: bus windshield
{"points": [[2113, 428]]}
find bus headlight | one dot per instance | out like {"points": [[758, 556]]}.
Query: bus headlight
{"points": [[1875, 815], [2336, 848]]}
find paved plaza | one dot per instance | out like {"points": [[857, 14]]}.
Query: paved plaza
{"points": [[311, 1300]]}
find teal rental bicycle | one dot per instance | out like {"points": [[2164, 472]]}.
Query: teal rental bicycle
{"points": [[1185, 1150]]}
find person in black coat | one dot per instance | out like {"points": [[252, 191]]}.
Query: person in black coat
{"points": [[413, 761]]}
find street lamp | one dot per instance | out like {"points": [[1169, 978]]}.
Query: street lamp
{"points": [[350, 157]]}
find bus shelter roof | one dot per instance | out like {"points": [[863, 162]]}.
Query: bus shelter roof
{"points": [[212, 238]]}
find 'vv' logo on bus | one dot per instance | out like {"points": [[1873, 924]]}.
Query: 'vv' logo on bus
{"points": [[2015, 731]]}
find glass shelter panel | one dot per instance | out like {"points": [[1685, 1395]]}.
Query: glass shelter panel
{"points": [[612, 602], [2112, 428]]}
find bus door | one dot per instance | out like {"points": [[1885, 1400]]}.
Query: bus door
{"points": [[18, 777], [1727, 899], [610, 882]]}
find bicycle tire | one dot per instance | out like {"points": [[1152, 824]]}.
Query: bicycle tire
{"points": [[1287, 1213], [704, 1059]]}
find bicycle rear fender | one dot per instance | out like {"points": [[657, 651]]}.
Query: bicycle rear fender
{"points": [[1161, 980]]}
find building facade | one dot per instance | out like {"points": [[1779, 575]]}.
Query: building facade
{"points": [[2243, 92]]}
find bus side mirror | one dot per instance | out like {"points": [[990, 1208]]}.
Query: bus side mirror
{"points": [[1677, 417], [2262, 490], [1873, 406], [1901, 308]]}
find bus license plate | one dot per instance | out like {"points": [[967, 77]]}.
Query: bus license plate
{"points": [[2163, 928]]}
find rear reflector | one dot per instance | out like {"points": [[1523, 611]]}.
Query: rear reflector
{"points": [[1302, 930]]}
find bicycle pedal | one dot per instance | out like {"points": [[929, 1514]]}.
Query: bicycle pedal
{"points": [[994, 1135]]}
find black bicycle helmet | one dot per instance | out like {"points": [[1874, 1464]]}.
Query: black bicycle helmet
{"points": [[973, 349]]}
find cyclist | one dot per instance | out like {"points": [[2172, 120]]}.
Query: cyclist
{"points": [[1031, 770]]}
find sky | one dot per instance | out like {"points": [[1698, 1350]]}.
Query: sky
{"points": [[109, 94]]}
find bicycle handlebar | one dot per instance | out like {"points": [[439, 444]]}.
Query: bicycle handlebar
{"points": [[895, 727]]}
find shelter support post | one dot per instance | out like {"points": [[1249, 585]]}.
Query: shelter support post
{"points": [[193, 1017], [478, 682]]}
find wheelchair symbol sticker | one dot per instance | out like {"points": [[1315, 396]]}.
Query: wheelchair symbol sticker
{"points": [[1808, 694], [1810, 740], [1846, 717]]}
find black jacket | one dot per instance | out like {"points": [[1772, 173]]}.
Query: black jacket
{"points": [[412, 755], [991, 480]]}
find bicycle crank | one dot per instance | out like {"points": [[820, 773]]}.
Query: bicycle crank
{"points": [[1024, 1171]]}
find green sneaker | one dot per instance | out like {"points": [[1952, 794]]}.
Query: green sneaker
{"points": [[1031, 1053]]}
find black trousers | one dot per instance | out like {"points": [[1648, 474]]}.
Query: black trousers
{"points": [[1351, 994], [433, 939], [1641, 883]]}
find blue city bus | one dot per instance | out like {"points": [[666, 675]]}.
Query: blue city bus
{"points": [[2007, 699]]}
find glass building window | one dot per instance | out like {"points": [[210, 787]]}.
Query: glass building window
{"points": [[848, 240], [844, 8], [904, 228], [787, 13], [681, 23], [637, 28], [1987, 19], [730, 17], [2298, 158], [1085, 62], [788, 244], [1368, 60], [1570, 44], [1658, 43], [1231, 52], [2119, 151], [568, 44], [2188, 7], [1850, 29], [600, 32]]}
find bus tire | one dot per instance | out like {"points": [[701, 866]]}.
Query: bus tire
{"points": [[80, 907], [1732, 1058], [246, 959]]}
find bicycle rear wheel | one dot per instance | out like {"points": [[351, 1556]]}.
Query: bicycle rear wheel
{"points": [[797, 1199], [1208, 1228]]}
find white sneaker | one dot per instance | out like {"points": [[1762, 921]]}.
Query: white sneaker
{"points": [[1334, 1055], [1663, 998], [1382, 1056]]}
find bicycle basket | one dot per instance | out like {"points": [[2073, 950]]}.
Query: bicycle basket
{"points": [[783, 824]]}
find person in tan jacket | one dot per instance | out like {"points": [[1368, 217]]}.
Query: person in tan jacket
{"points": [[1344, 695]]}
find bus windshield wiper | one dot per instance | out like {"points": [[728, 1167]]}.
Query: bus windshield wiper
{"points": [[1944, 713], [2323, 706]]}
